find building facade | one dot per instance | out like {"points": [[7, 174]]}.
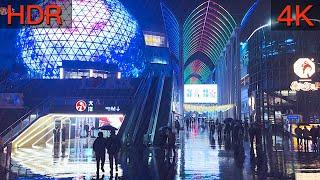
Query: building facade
{"points": [[271, 56]]}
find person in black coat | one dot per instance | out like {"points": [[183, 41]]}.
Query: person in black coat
{"points": [[177, 126], [99, 147], [86, 128], [63, 133], [113, 146], [212, 128], [314, 135]]}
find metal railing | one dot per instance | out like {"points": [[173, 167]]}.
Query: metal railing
{"points": [[28, 118]]}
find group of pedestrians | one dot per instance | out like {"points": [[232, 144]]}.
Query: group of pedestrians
{"points": [[305, 135], [232, 133], [168, 142], [112, 145], [233, 129]]}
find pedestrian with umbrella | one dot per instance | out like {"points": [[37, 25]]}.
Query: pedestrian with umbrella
{"points": [[99, 147], [113, 147]]}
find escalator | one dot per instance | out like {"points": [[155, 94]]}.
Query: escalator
{"points": [[165, 109], [152, 111], [139, 99], [142, 125]]}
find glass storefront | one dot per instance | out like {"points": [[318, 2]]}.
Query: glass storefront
{"points": [[271, 58], [82, 127]]}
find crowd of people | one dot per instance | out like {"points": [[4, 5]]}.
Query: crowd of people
{"points": [[304, 135]]}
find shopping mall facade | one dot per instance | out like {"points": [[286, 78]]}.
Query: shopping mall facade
{"points": [[251, 64], [269, 65]]}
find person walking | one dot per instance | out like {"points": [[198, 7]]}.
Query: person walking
{"points": [[212, 128], [92, 131], [314, 135], [246, 126], [219, 130], [171, 143], [99, 147], [113, 147], [298, 132], [56, 134], [187, 123], [86, 128], [63, 133], [227, 130], [305, 135], [177, 126], [251, 134]]}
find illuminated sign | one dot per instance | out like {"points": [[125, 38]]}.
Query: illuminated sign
{"points": [[90, 106], [154, 40], [293, 118], [304, 68], [304, 86], [81, 105], [113, 108], [200, 93]]}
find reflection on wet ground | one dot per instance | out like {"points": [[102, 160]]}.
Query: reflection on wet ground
{"points": [[199, 155]]}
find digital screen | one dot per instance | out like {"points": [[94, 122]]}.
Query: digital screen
{"points": [[200, 93]]}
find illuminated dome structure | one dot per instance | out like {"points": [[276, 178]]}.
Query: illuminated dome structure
{"points": [[102, 31]]}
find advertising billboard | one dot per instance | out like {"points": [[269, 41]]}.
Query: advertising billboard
{"points": [[200, 93]]}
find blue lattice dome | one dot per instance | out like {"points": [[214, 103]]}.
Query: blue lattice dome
{"points": [[102, 31]]}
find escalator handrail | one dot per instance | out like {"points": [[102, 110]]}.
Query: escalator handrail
{"points": [[135, 94], [141, 110], [155, 111], [137, 97]]}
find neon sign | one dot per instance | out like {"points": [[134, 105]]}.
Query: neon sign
{"points": [[304, 68]]}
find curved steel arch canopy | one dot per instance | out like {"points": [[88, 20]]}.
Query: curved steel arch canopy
{"points": [[171, 25], [197, 67], [207, 29]]}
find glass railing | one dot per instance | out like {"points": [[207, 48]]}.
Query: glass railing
{"points": [[22, 123]]}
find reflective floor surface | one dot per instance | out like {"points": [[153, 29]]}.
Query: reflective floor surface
{"points": [[199, 155]]}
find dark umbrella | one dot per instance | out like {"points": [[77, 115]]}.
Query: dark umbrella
{"points": [[164, 128], [228, 120], [108, 128]]}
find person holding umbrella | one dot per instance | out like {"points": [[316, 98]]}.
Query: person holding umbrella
{"points": [[113, 147], [99, 147]]}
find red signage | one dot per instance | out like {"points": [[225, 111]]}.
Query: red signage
{"points": [[81, 106]]}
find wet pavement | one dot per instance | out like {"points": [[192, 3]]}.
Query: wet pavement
{"points": [[199, 155], [205, 157]]}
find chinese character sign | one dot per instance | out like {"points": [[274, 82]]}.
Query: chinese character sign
{"points": [[200, 93]]}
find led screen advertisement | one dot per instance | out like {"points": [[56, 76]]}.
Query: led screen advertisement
{"points": [[200, 93]]}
